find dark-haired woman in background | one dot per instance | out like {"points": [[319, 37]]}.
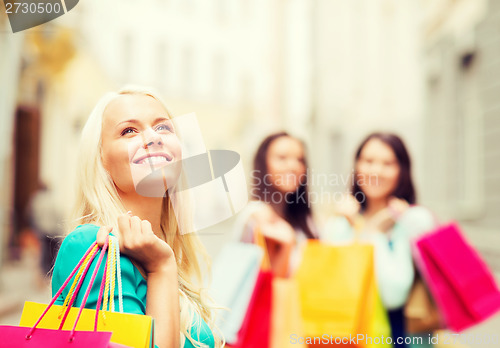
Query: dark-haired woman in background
{"points": [[379, 208], [280, 205]]}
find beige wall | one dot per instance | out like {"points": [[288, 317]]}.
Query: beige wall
{"points": [[463, 118], [367, 78]]}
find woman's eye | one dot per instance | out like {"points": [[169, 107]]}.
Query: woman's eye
{"points": [[163, 127], [127, 131]]}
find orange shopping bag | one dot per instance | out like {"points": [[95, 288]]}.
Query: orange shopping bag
{"points": [[339, 297]]}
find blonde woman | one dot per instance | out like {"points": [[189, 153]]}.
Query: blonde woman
{"points": [[127, 133]]}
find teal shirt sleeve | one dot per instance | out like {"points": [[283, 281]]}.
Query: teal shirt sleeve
{"points": [[134, 286]]}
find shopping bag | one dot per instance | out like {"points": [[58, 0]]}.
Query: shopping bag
{"points": [[128, 329], [256, 326], [234, 275], [461, 283], [339, 298], [421, 313], [255, 329], [286, 320], [18, 336], [131, 329]]}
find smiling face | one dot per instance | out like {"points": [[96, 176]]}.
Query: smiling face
{"points": [[138, 138], [285, 164], [377, 170]]}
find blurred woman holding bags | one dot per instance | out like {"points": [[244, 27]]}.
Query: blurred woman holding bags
{"points": [[280, 208], [379, 210]]}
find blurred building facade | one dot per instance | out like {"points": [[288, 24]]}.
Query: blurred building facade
{"points": [[11, 47], [367, 78], [328, 71], [462, 117], [221, 59], [224, 60]]}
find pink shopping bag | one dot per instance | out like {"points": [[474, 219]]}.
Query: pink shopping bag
{"points": [[461, 283], [17, 337]]}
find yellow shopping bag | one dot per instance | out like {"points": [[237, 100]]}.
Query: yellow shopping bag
{"points": [[132, 330], [339, 297]]}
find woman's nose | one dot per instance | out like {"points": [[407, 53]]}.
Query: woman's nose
{"points": [[150, 138], [375, 169]]}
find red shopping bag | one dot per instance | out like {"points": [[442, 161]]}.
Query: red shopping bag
{"points": [[461, 283], [255, 330], [33, 337]]}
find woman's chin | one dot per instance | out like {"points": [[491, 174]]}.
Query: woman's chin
{"points": [[376, 193], [286, 189]]}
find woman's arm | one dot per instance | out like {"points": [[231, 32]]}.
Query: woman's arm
{"points": [[393, 255], [138, 241], [163, 305], [278, 235], [393, 268]]}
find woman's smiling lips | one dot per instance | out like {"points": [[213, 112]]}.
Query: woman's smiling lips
{"points": [[153, 158]]}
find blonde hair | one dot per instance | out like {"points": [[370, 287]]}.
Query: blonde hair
{"points": [[98, 202]]}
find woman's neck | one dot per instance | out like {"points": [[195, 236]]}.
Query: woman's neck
{"points": [[146, 208], [373, 206], [279, 207]]}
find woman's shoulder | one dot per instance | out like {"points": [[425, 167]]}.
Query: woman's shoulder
{"points": [[419, 215], [82, 234], [81, 237], [417, 220]]}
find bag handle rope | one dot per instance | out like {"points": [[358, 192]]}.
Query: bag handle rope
{"points": [[82, 269]]}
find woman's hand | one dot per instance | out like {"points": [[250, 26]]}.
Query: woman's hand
{"points": [[384, 219], [279, 238], [138, 241], [273, 227], [349, 208]]}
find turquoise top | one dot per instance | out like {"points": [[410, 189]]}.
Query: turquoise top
{"points": [[134, 286]]}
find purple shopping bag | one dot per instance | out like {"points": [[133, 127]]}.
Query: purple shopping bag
{"points": [[461, 283]]}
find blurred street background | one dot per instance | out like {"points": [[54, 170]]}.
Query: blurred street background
{"points": [[327, 71]]}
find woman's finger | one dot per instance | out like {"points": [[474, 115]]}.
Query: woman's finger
{"points": [[136, 226], [102, 234], [146, 227], [124, 227]]}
